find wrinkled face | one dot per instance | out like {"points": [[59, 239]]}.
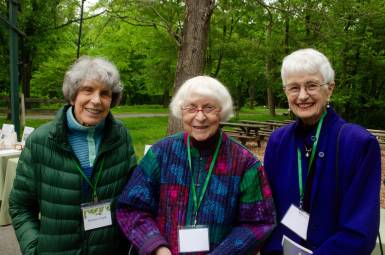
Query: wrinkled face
{"points": [[92, 103], [201, 117], [307, 95]]}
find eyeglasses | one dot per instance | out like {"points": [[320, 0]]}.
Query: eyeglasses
{"points": [[207, 110], [311, 88]]}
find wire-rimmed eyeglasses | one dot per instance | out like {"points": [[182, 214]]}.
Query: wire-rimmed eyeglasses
{"points": [[207, 109], [311, 88]]}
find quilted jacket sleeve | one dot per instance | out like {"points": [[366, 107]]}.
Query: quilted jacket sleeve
{"points": [[137, 207], [23, 205]]}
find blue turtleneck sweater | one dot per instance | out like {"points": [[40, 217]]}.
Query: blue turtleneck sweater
{"points": [[85, 142]]}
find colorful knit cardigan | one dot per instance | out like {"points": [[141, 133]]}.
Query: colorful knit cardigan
{"points": [[237, 206]]}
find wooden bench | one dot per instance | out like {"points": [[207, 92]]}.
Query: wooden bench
{"points": [[264, 135], [271, 124], [243, 132], [240, 137]]}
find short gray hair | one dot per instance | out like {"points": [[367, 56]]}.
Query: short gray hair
{"points": [[204, 86], [308, 61], [96, 69]]}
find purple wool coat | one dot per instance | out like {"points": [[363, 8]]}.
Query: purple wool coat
{"points": [[343, 204]]}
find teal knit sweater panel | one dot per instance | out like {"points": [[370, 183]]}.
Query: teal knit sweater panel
{"points": [[84, 141]]}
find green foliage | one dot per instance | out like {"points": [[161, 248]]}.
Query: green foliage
{"points": [[247, 42], [49, 77]]}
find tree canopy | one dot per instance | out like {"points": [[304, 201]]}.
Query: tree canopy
{"points": [[247, 40]]}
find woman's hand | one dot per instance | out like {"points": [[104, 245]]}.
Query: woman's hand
{"points": [[162, 251]]}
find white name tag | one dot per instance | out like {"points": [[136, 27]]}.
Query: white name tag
{"points": [[96, 215], [297, 220], [292, 248], [193, 239]]}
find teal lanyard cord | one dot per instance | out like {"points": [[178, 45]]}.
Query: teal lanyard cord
{"points": [[299, 159], [197, 203], [93, 187]]}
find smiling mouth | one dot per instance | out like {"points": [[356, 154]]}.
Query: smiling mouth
{"points": [[200, 127], [93, 111], [305, 106]]}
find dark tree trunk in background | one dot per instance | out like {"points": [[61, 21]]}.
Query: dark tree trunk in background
{"points": [[191, 58], [166, 96], [28, 51], [26, 71], [252, 93], [268, 74]]}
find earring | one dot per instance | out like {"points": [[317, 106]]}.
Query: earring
{"points": [[328, 104]]}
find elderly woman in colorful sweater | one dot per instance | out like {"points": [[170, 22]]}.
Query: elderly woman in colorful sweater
{"points": [[324, 172], [73, 166], [198, 190]]}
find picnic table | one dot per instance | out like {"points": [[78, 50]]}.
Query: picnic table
{"points": [[249, 130], [269, 124], [243, 132], [379, 134]]}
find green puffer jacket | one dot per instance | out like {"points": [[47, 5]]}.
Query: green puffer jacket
{"points": [[47, 182]]}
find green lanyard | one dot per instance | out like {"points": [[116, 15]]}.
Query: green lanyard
{"points": [[197, 203], [299, 159], [93, 187]]}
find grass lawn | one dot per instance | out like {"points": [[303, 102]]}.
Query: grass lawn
{"points": [[150, 129], [145, 131], [140, 109]]}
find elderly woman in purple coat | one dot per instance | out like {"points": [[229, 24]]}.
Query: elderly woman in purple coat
{"points": [[324, 172]]}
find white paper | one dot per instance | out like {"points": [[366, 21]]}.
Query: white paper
{"points": [[9, 140], [8, 129], [292, 248], [297, 220], [27, 131], [193, 239]]}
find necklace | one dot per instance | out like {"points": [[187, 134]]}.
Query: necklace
{"points": [[307, 154]]}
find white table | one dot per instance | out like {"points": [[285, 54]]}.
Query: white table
{"points": [[5, 155], [8, 184]]}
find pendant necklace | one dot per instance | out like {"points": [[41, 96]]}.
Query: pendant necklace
{"points": [[307, 154]]}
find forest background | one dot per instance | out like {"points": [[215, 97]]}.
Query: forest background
{"points": [[246, 42]]}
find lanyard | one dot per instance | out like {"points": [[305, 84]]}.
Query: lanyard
{"points": [[299, 159], [93, 187], [197, 203]]}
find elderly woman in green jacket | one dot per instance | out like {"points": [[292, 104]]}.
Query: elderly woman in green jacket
{"points": [[73, 168]]}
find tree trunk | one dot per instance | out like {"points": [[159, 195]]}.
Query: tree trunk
{"points": [[252, 93], [287, 32], [26, 73], [166, 96], [191, 57], [270, 101], [268, 71]]}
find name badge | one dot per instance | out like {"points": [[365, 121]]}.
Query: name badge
{"points": [[297, 220], [193, 239], [292, 248], [96, 215]]}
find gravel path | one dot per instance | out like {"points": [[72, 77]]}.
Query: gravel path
{"points": [[8, 242]]}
